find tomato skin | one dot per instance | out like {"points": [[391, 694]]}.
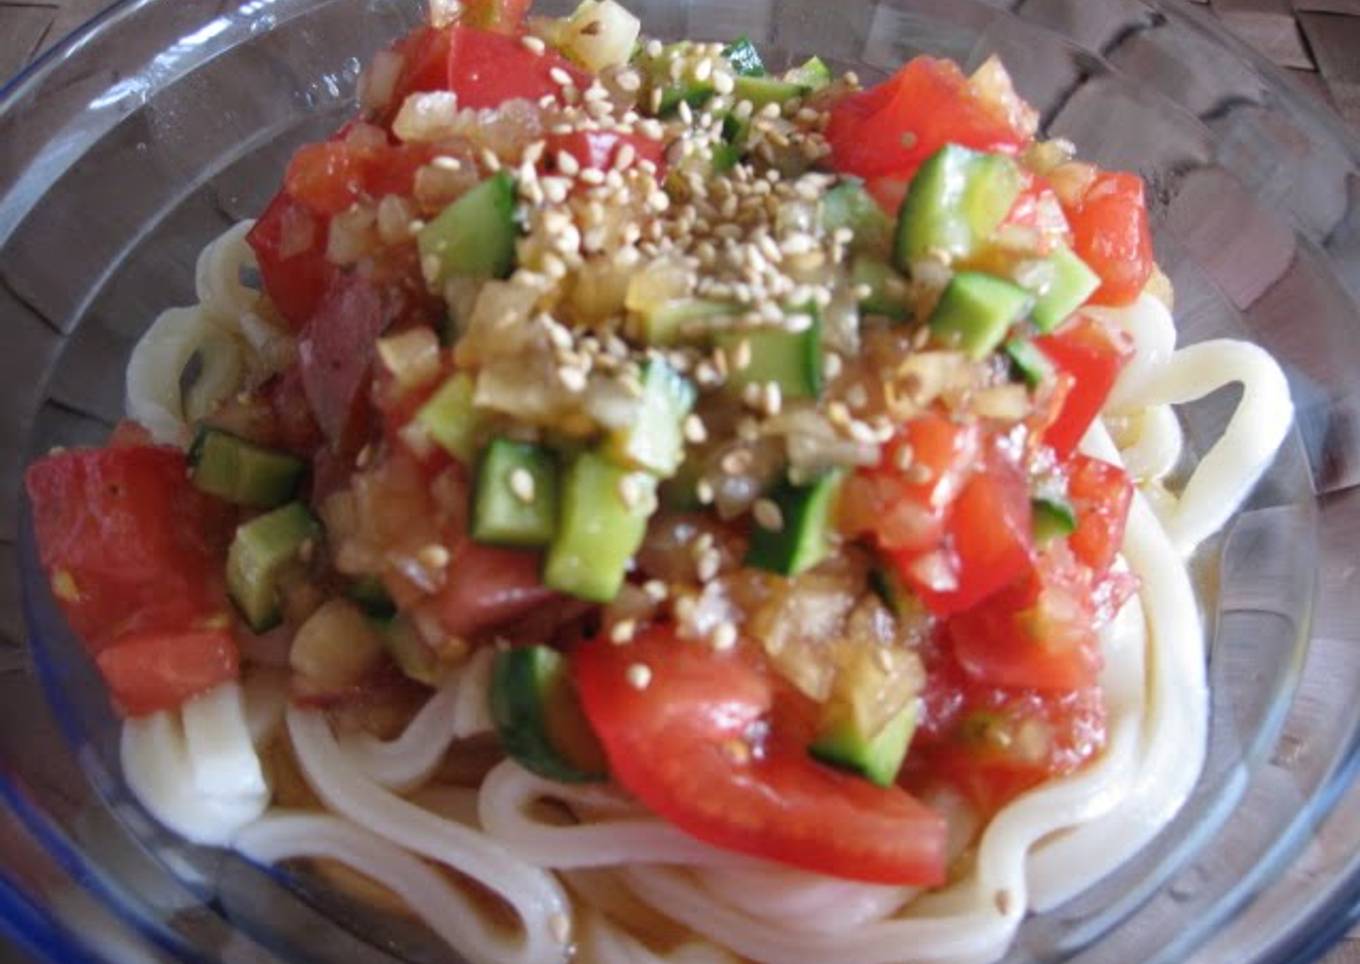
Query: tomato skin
{"points": [[486, 69], [160, 670], [1089, 355], [487, 587], [891, 128], [677, 745], [1110, 233], [140, 544], [1101, 494], [1038, 633], [331, 176], [296, 276], [598, 149]]}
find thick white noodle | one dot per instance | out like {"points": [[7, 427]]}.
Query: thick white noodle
{"points": [[154, 396], [283, 835], [458, 709], [160, 772], [535, 895], [217, 275], [218, 741]]}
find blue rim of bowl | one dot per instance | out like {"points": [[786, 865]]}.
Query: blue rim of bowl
{"points": [[36, 930]]}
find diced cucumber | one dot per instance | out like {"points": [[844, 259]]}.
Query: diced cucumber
{"points": [[848, 205], [1053, 518], [811, 75], [514, 502], [539, 719], [413, 656], [602, 521], [691, 92], [371, 595], [744, 58], [1073, 282], [242, 472], [791, 359], [261, 550], [766, 90], [655, 441], [670, 322], [975, 312], [1028, 361], [887, 289], [806, 517], [473, 236], [450, 418], [877, 758], [957, 199]]}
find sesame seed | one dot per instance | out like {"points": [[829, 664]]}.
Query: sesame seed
{"points": [[560, 77], [856, 396], [703, 69], [772, 398], [625, 156], [572, 379], [591, 175], [724, 636], [628, 80], [831, 365], [768, 515], [658, 201], [703, 491], [429, 267], [622, 631], [838, 413], [655, 589], [560, 926], [654, 101], [533, 43], [567, 163], [522, 484], [686, 112], [489, 159], [653, 48], [707, 565], [723, 83], [446, 163], [694, 429], [741, 355], [630, 490], [736, 461], [433, 556], [639, 676], [596, 92]]}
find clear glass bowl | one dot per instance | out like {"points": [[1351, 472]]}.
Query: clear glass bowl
{"points": [[142, 136]]}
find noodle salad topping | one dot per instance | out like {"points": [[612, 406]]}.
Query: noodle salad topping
{"points": [[704, 447]]}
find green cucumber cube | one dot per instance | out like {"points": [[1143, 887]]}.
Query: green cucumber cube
{"points": [[242, 472], [473, 236], [975, 312], [806, 521], [450, 418], [1053, 517], [1028, 361], [887, 289], [655, 441], [812, 74], [766, 90], [848, 205], [604, 512], [539, 719], [956, 201], [877, 758], [514, 502], [259, 553], [790, 359], [1072, 283]]}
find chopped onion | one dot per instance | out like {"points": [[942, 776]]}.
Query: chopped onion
{"points": [[935, 571], [336, 647], [412, 356], [445, 12], [353, 234], [1006, 402], [601, 34], [427, 116], [378, 82]]}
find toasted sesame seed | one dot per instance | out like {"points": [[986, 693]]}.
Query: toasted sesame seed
{"points": [[655, 589], [694, 429], [654, 101], [446, 163], [768, 515], [703, 70], [572, 379], [903, 457], [703, 491], [724, 636], [596, 92], [625, 156], [686, 112], [560, 77], [630, 490], [653, 48], [489, 159], [622, 631], [429, 267], [533, 43], [522, 484], [736, 461], [591, 175], [856, 396], [723, 83], [639, 676], [658, 201], [707, 565], [433, 556], [628, 80], [567, 163], [831, 365], [772, 398]]}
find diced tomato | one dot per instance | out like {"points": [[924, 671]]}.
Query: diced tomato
{"points": [[1091, 355], [331, 176], [487, 69], [598, 149], [1100, 494], [290, 245], [424, 57], [694, 746], [1039, 633], [126, 540], [891, 128], [905, 509], [488, 586], [993, 743], [888, 192], [502, 16], [987, 541], [1110, 233], [160, 670]]}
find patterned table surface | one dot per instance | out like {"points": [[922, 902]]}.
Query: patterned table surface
{"points": [[1316, 41]]}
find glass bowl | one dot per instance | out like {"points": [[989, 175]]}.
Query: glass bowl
{"points": [[158, 124]]}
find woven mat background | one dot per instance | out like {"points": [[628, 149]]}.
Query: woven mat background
{"points": [[1316, 41]]}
